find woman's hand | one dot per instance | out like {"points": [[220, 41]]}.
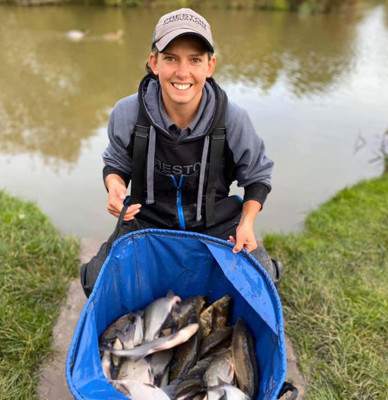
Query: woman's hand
{"points": [[245, 234], [117, 192], [245, 238]]}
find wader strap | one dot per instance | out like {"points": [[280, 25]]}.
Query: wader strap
{"points": [[139, 158], [217, 144]]}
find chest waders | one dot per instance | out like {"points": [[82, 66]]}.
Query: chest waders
{"points": [[177, 193], [174, 202]]}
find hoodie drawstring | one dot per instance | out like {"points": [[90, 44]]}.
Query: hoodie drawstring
{"points": [[201, 182], [150, 166]]}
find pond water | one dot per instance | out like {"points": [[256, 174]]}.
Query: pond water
{"points": [[316, 89]]}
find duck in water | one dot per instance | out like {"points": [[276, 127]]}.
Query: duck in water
{"points": [[111, 37]]}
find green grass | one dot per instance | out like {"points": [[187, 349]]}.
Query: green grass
{"points": [[36, 263], [335, 294]]}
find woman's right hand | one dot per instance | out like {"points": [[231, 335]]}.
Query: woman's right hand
{"points": [[116, 195]]}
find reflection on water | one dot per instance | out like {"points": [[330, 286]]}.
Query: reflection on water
{"points": [[55, 92], [310, 53], [312, 85]]}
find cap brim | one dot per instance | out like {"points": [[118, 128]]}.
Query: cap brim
{"points": [[162, 44]]}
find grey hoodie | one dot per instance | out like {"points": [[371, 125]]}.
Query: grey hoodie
{"points": [[253, 167]]}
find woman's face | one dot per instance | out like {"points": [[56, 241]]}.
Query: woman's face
{"points": [[182, 70]]}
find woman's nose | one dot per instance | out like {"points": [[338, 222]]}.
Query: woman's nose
{"points": [[182, 70]]}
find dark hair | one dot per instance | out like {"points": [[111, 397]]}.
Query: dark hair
{"points": [[156, 53], [147, 66]]}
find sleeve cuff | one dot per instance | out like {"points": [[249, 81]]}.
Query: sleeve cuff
{"points": [[256, 191], [110, 170]]}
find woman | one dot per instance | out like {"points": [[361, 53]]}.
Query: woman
{"points": [[181, 143]]}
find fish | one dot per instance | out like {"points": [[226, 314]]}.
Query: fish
{"points": [[160, 344], [244, 358], [222, 310], [227, 392], [120, 325], [215, 316], [159, 362], [220, 368], [188, 388], [139, 391], [164, 380], [106, 364], [188, 307], [234, 393], [200, 396], [214, 339], [117, 345], [199, 369], [181, 350], [156, 314], [185, 357], [133, 335], [139, 370], [206, 321]]}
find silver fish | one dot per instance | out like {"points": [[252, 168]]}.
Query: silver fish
{"points": [[156, 314], [134, 334], [139, 391], [139, 370], [160, 344], [221, 368], [244, 358], [215, 393], [228, 392], [120, 325]]}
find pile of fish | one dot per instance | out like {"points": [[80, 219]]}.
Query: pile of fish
{"points": [[181, 349]]}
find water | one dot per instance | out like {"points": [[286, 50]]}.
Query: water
{"points": [[315, 87]]}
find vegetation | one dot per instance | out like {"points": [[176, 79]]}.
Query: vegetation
{"points": [[36, 264], [304, 6], [335, 293]]}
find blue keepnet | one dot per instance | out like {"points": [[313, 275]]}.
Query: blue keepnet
{"points": [[143, 266]]}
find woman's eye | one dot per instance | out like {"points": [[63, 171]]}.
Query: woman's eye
{"points": [[169, 58]]}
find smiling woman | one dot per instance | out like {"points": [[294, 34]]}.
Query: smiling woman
{"points": [[182, 120], [182, 70]]}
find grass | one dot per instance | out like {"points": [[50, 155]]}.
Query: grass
{"points": [[36, 263], [335, 294]]}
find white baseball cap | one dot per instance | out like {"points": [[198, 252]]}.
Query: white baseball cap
{"points": [[178, 23]]}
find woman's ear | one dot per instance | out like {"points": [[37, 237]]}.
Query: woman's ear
{"points": [[211, 66], [153, 63]]}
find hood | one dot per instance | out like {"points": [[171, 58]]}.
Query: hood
{"points": [[150, 97]]}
